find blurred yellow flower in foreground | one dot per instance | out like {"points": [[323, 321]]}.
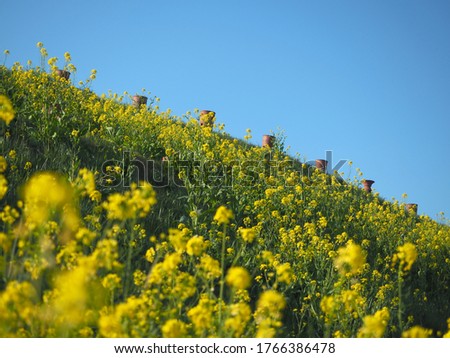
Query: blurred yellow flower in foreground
{"points": [[3, 186], [268, 313], [7, 112], [350, 259], [374, 325], [46, 194], [407, 255], [195, 246], [223, 215], [248, 235], [417, 332], [238, 277], [174, 328], [3, 164], [47, 188]]}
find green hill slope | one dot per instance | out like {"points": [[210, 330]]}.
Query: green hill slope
{"points": [[229, 239]]}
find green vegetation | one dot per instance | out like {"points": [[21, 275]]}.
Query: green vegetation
{"points": [[230, 239]]}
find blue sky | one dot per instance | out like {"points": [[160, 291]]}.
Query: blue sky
{"points": [[368, 80]]}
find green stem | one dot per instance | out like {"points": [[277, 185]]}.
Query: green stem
{"points": [[222, 279], [400, 313], [128, 264], [128, 270], [11, 260]]}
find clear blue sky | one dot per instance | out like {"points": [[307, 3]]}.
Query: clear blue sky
{"points": [[369, 80]]}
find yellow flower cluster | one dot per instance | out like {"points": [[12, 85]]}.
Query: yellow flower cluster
{"points": [[3, 181], [7, 112], [133, 204], [417, 332], [223, 215], [350, 259], [174, 328], [238, 278], [42, 205], [375, 325], [406, 255], [248, 235], [268, 313]]}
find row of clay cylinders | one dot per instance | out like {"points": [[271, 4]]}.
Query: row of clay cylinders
{"points": [[321, 164]]}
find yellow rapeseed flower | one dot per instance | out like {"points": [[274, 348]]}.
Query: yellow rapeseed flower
{"points": [[52, 61], [268, 313], [7, 112], [223, 215], [195, 246], [328, 305], [447, 335], [150, 254], [178, 239], [417, 332], [44, 52], [95, 196], [111, 281], [239, 315], [56, 193], [210, 267], [284, 273], [248, 235], [39, 203], [238, 278], [3, 186], [72, 294], [174, 328], [85, 236], [4, 242], [3, 164], [271, 300], [67, 57], [407, 254], [202, 315], [171, 262], [17, 301], [350, 259], [135, 203], [374, 325]]}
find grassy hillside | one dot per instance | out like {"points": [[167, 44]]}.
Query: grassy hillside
{"points": [[221, 238]]}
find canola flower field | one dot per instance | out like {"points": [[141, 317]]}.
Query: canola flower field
{"points": [[221, 239]]}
